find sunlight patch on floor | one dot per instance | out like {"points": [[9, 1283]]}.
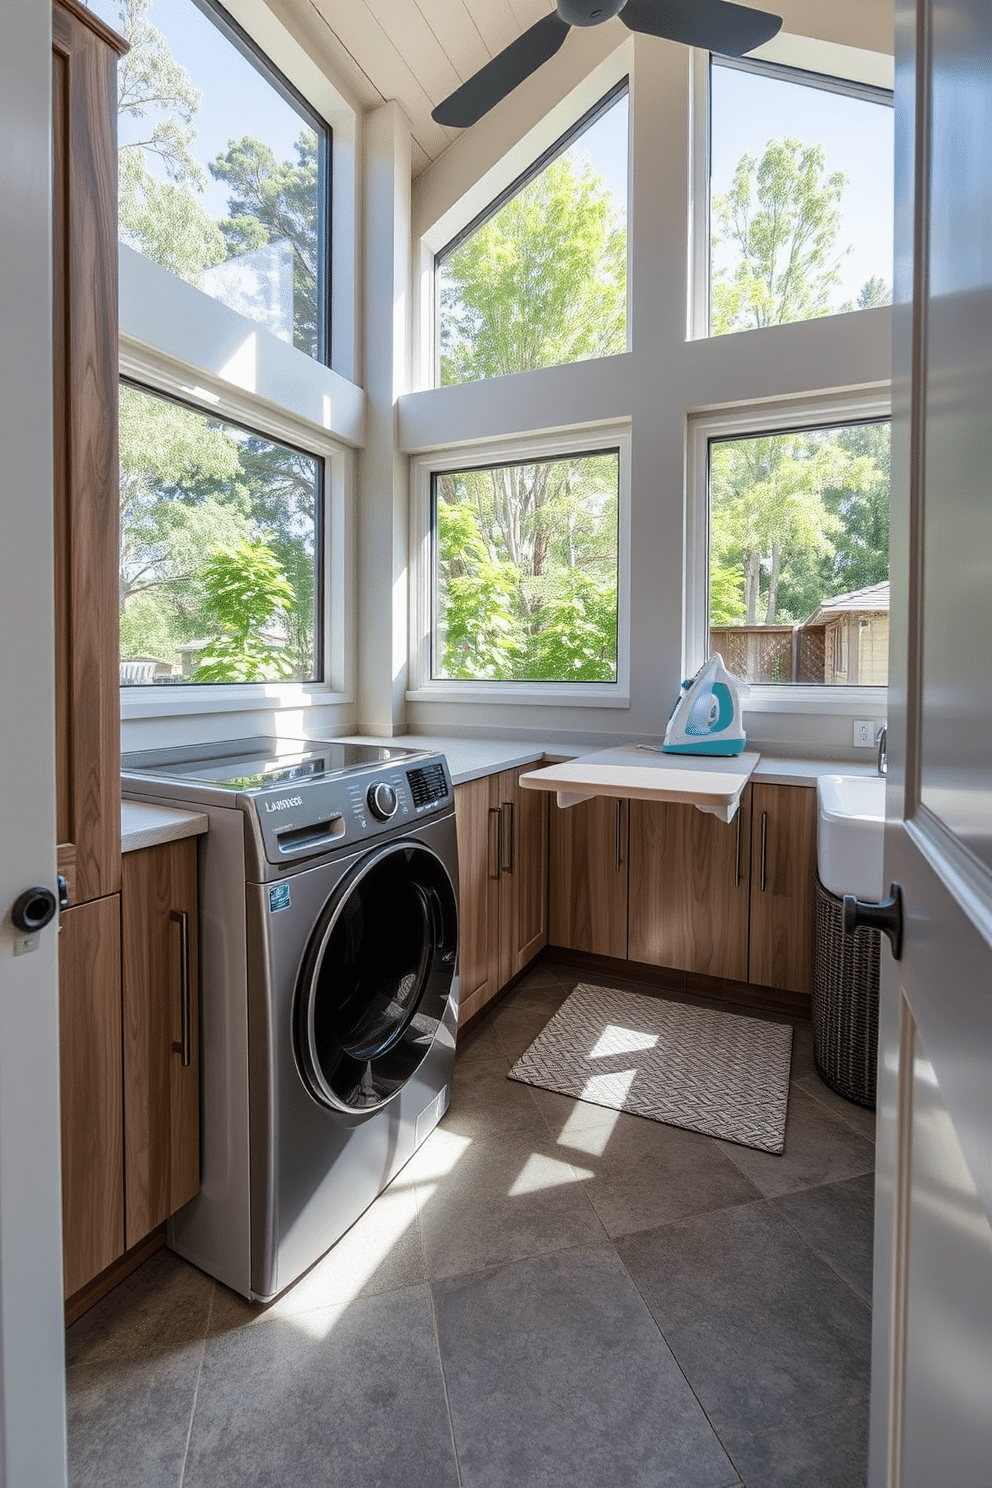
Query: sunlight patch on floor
{"points": [[616, 1040], [591, 1140], [540, 1172]]}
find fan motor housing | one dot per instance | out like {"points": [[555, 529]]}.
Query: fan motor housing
{"points": [[589, 12]]}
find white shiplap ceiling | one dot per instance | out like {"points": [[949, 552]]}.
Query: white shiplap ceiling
{"points": [[416, 52]]}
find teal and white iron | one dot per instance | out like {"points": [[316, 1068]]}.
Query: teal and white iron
{"points": [[707, 717]]}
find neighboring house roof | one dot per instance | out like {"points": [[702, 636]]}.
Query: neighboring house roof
{"points": [[873, 599]]}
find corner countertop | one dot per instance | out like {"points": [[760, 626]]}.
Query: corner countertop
{"points": [[144, 825], [469, 759]]}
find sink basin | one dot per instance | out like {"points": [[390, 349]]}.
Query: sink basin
{"points": [[850, 832]]}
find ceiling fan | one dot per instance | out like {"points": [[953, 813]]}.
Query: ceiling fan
{"points": [[716, 25]]}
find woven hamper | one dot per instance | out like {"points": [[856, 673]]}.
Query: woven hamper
{"points": [[845, 1002]]}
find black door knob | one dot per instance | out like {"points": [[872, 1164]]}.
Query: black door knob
{"points": [[33, 910], [886, 916]]}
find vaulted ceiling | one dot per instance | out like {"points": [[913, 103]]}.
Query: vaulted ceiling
{"points": [[419, 51]]}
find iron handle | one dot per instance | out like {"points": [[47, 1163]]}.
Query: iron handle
{"points": [[507, 839], [886, 916], [495, 840], [183, 1044], [764, 847], [737, 859], [33, 910]]}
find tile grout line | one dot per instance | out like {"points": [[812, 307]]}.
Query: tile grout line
{"points": [[196, 1388], [444, 1378]]}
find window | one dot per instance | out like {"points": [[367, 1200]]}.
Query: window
{"points": [[540, 279], [524, 567], [801, 195], [799, 554], [224, 169], [220, 537]]}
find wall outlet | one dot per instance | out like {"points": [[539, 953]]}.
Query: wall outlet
{"points": [[864, 733]]}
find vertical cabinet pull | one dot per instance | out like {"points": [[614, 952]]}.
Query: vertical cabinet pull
{"points": [[495, 842], [507, 837], [737, 859], [618, 833], [764, 847], [183, 1044]]}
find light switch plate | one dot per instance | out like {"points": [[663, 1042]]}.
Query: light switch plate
{"points": [[864, 733]]}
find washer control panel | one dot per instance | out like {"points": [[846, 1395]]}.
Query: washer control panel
{"points": [[382, 800]]}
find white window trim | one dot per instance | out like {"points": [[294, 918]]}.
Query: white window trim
{"points": [[337, 683], [849, 406], [423, 688], [807, 53]]}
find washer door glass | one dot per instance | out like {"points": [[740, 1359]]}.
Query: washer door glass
{"points": [[376, 978]]}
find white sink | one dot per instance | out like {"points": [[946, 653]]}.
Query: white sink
{"points": [[850, 832]]}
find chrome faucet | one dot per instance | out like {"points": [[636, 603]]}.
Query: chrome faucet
{"points": [[880, 740]]}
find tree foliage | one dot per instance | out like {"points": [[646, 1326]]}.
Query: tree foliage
{"points": [[246, 593]]}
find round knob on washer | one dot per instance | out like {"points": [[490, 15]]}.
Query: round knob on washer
{"points": [[382, 800]]}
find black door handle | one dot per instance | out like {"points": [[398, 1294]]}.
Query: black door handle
{"points": [[33, 910], [886, 917]]}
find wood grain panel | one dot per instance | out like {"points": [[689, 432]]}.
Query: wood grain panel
{"points": [[161, 1095], [783, 911], [688, 904], [588, 876], [86, 468], [523, 910], [477, 895], [92, 1122]]}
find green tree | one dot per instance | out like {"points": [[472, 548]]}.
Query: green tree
{"points": [[541, 284], [276, 202], [248, 595]]}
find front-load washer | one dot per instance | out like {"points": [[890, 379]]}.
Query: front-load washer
{"points": [[329, 988]]}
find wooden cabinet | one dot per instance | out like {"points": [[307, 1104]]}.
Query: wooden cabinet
{"points": [[503, 883], [92, 1105], [589, 876], [783, 868], [160, 1034], [689, 877]]}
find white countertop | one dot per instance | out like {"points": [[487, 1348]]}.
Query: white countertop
{"points": [[144, 825], [711, 783]]}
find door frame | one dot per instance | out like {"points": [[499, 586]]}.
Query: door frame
{"points": [[32, 1337]]}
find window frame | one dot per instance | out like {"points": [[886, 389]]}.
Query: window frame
{"points": [[514, 451], [860, 405], [558, 147], [823, 66]]}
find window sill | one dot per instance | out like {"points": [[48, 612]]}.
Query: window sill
{"points": [[837, 702], [543, 694], [179, 702]]}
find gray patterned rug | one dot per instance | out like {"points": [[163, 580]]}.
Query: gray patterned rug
{"points": [[717, 1073]]}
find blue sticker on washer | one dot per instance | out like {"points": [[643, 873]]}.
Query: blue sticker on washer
{"points": [[279, 897]]}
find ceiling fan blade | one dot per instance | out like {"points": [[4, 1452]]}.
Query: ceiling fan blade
{"points": [[715, 25], [500, 76]]}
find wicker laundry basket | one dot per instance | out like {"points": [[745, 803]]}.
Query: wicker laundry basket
{"points": [[845, 1002]]}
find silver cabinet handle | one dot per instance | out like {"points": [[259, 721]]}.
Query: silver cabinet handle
{"points": [[764, 847], [495, 842], [508, 838], [183, 1044], [737, 860]]}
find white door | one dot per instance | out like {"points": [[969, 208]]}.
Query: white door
{"points": [[932, 1378], [32, 1396]]}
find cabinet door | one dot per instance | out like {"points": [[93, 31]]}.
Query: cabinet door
{"points": [[161, 1058], [523, 880], [688, 889], [783, 865], [477, 822], [90, 1062], [588, 900], [87, 699]]}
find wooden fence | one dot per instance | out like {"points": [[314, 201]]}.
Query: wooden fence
{"points": [[771, 653]]}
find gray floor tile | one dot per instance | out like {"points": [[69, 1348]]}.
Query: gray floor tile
{"points": [[163, 1304], [485, 1103], [858, 1118], [819, 1148], [349, 1395], [765, 1330], [837, 1220], [557, 1375], [643, 1178], [829, 1452], [480, 1045], [493, 1201], [128, 1419]]}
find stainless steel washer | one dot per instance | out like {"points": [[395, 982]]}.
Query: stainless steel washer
{"points": [[329, 993]]}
